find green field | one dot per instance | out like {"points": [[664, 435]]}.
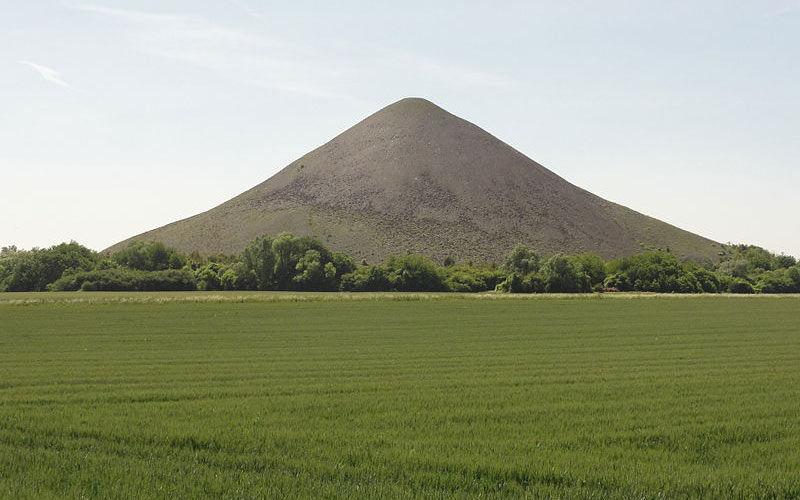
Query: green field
{"points": [[280, 395]]}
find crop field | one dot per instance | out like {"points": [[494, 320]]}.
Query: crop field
{"points": [[398, 396]]}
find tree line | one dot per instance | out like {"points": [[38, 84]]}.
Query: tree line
{"points": [[289, 262]]}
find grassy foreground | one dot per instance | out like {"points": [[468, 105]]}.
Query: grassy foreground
{"points": [[274, 395]]}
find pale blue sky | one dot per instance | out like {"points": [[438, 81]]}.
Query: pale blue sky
{"points": [[117, 117]]}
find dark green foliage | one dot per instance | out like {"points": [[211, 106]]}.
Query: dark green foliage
{"points": [[594, 268], [127, 280], [617, 281], [33, 270], [149, 256], [512, 284], [756, 259], [706, 280], [778, 281], [735, 267], [366, 279], [739, 285], [522, 260], [259, 263], [314, 274], [751, 269], [236, 277], [563, 274], [343, 263], [287, 262], [291, 263], [517, 283], [464, 278], [414, 273], [409, 273], [759, 259], [652, 272]]}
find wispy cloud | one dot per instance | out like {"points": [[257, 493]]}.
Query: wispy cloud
{"points": [[269, 62], [250, 11], [48, 74], [232, 53], [791, 7], [438, 70]]}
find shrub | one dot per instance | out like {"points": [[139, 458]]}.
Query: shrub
{"points": [[522, 260], [32, 271], [593, 267], [149, 256], [464, 278], [562, 274], [739, 285], [366, 279], [414, 273], [127, 280], [617, 282], [651, 272], [777, 281]]}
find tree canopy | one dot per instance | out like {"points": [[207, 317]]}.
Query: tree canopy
{"points": [[289, 262]]}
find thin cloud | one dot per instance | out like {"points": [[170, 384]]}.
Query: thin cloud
{"points": [[245, 57], [48, 74], [788, 8], [260, 60], [250, 11], [436, 70]]}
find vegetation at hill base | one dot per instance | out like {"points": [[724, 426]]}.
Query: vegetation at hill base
{"points": [[415, 173], [465, 396], [291, 263]]}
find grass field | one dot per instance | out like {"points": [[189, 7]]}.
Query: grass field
{"points": [[274, 395]]}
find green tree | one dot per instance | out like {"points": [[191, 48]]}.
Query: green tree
{"points": [[366, 279], [208, 276], [522, 260], [593, 267], [149, 256], [414, 273], [651, 272], [466, 278], [314, 274], [33, 270], [562, 274], [259, 262]]}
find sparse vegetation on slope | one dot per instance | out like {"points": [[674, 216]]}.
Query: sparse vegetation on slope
{"points": [[413, 178]]}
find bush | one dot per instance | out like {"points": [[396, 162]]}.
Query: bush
{"points": [[127, 280], [208, 276], [739, 285], [414, 273], [707, 281], [465, 278], [778, 281], [562, 274], [149, 256], [32, 271], [593, 267], [512, 284], [516, 283], [291, 263], [785, 261], [651, 272], [522, 260], [617, 282], [366, 279]]}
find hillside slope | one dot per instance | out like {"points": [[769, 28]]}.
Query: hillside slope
{"points": [[414, 178]]}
